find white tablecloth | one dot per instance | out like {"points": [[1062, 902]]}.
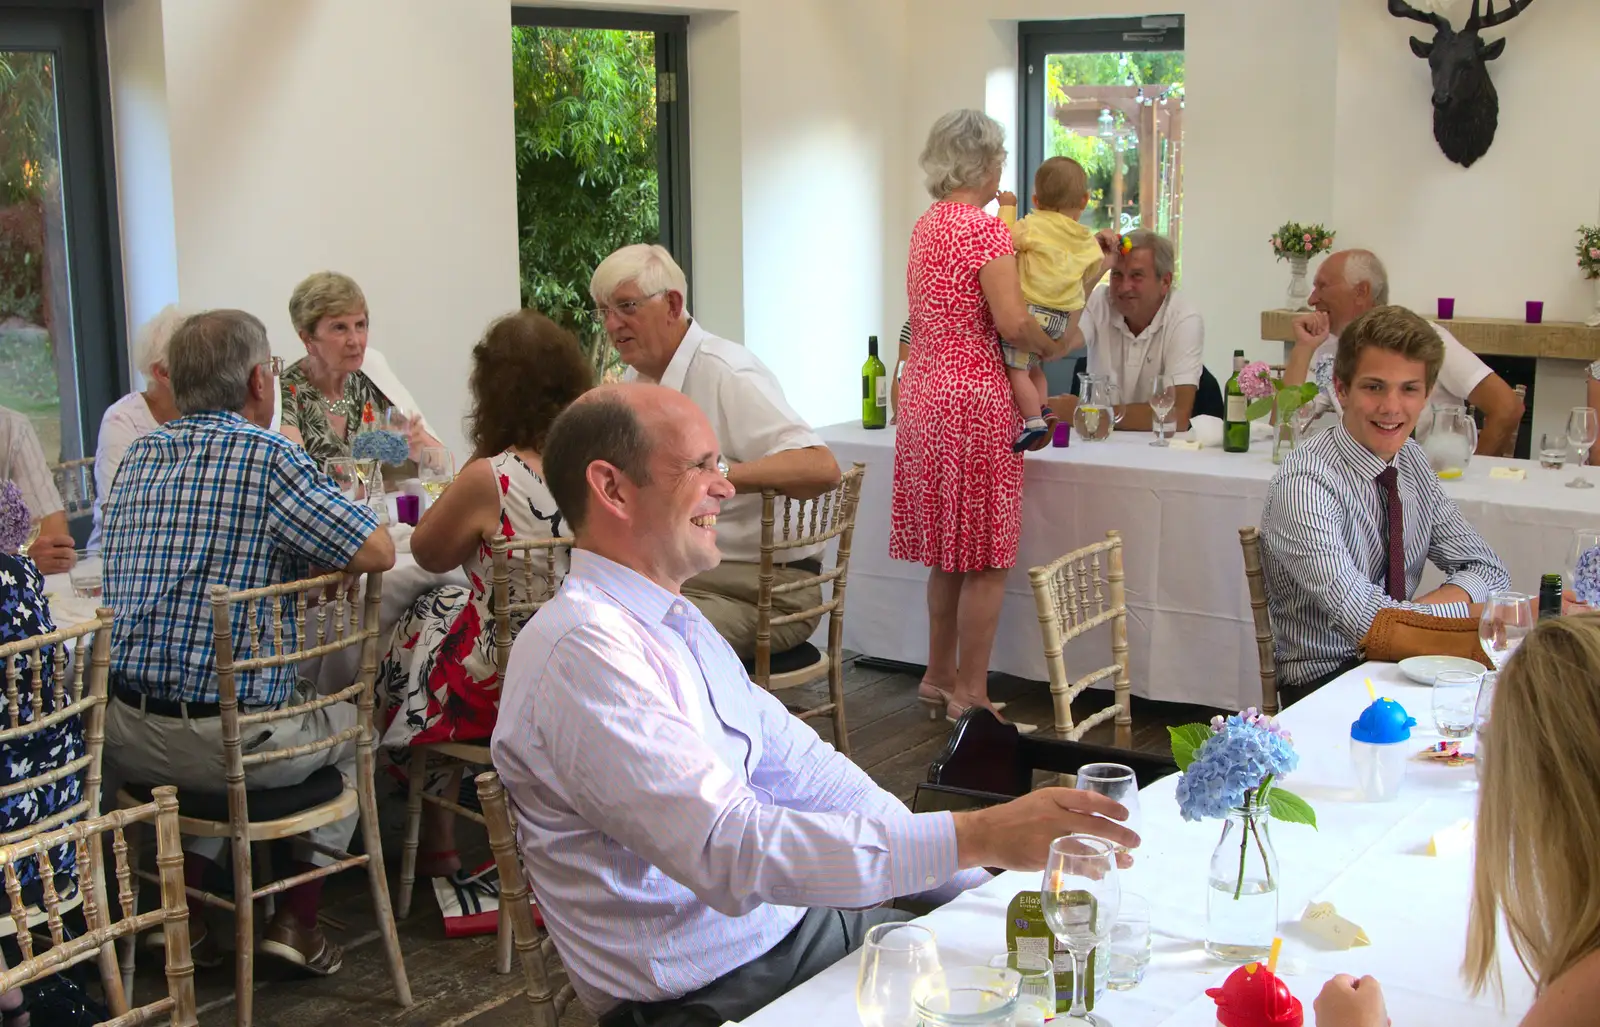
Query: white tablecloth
{"points": [[1179, 513], [1368, 859]]}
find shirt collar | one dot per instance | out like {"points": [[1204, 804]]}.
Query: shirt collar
{"points": [[625, 586], [199, 417], [1358, 456], [678, 367]]}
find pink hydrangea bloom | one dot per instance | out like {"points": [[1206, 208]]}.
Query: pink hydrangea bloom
{"points": [[1256, 380]]}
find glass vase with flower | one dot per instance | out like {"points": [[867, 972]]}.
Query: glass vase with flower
{"points": [[1297, 244], [1230, 769], [1268, 395]]}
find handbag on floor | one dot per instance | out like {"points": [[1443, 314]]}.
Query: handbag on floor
{"points": [[470, 901]]}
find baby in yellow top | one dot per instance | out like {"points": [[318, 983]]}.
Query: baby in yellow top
{"points": [[1056, 257]]}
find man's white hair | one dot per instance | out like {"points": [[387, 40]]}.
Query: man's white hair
{"points": [[1364, 266], [150, 344], [964, 147], [649, 267]]}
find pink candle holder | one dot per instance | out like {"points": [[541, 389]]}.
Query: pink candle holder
{"points": [[1447, 308], [407, 509], [1062, 436], [1536, 312]]}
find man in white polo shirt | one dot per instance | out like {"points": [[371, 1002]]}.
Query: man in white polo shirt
{"points": [[1348, 284], [1137, 327], [639, 295]]}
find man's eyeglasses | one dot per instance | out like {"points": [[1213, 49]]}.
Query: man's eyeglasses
{"points": [[276, 366], [624, 309]]}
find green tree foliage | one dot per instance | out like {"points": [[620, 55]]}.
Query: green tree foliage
{"points": [[586, 159], [28, 150]]}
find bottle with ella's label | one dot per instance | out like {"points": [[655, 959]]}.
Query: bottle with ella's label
{"points": [[1236, 423], [874, 388]]}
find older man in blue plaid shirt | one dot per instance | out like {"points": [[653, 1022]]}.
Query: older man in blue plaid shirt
{"points": [[215, 497]]}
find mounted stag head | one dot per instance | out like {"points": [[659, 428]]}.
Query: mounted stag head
{"points": [[1466, 109]]}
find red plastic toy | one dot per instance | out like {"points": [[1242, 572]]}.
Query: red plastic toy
{"points": [[1254, 996]]}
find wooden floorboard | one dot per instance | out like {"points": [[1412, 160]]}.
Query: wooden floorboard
{"points": [[453, 981]]}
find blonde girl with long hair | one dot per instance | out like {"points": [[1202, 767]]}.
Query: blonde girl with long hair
{"points": [[1537, 864]]}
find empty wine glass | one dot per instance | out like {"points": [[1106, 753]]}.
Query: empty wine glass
{"points": [[1507, 619], [1114, 397], [1115, 782], [1080, 897], [1163, 397], [347, 476], [436, 467], [1583, 428], [895, 961]]}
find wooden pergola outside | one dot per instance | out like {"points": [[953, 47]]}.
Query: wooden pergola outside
{"points": [[1159, 128]]}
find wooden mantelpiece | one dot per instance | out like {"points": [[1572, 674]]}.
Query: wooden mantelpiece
{"points": [[1554, 340]]}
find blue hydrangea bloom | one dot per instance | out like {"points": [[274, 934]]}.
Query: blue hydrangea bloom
{"points": [[1241, 752], [387, 447], [1586, 577]]}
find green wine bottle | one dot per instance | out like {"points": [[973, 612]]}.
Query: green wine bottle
{"points": [[1236, 425], [874, 389]]}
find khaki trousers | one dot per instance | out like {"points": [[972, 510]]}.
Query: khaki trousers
{"points": [[187, 752], [727, 597]]}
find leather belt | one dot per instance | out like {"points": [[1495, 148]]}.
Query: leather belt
{"points": [[167, 707]]}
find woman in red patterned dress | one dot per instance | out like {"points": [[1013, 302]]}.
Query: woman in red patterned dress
{"points": [[957, 484]]}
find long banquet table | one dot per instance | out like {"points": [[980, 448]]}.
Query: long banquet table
{"points": [[1179, 512], [1368, 859]]}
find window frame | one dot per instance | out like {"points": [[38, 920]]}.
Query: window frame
{"points": [[74, 31], [1038, 39], [672, 115]]}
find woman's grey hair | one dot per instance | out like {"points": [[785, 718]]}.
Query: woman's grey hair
{"points": [[649, 267], [210, 359], [150, 345], [964, 147], [324, 294], [1364, 266], [1160, 248]]}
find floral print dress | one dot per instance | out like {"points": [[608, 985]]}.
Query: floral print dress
{"points": [[304, 410], [25, 613], [438, 681]]}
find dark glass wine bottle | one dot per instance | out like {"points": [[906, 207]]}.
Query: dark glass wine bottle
{"points": [[874, 389], [1236, 423], [1550, 596]]}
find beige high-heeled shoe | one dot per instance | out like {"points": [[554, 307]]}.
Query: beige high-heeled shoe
{"points": [[1022, 729], [936, 706]]}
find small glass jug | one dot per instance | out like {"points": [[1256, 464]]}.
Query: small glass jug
{"points": [[1449, 436], [1096, 415]]}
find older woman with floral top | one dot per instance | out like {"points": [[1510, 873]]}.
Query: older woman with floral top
{"points": [[340, 385]]}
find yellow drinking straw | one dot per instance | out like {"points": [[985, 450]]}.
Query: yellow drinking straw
{"points": [[1272, 960], [1373, 692]]}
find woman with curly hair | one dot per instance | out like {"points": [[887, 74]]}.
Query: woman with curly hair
{"points": [[438, 680]]}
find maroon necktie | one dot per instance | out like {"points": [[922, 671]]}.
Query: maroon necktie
{"points": [[1389, 483]]}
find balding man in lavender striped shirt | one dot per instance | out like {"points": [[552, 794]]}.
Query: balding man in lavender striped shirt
{"points": [[696, 850]]}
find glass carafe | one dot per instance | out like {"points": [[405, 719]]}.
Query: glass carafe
{"points": [[1449, 436], [1096, 415]]}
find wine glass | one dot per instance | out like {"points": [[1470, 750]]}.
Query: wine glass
{"points": [[1455, 697], [1114, 399], [33, 536], [347, 477], [1507, 619], [1480, 721], [1583, 428], [895, 960], [1115, 782], [1080, 898], [436, 467], [1163, 397]]}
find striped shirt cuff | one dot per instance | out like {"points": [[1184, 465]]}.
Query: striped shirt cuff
{"points": [[1473, 584], [922, 852]]}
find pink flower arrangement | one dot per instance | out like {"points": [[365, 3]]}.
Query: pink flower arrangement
{"points": [[1296, 240], [1589, 250], [1256, 380]]}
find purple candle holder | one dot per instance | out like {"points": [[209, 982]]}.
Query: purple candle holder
{"points": [[1447, 307], [1536, 312], [407, 508], [1062, 436]]}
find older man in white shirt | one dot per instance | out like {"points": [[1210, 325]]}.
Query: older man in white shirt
{"points": [[1137, 328], [639, 292], [1348, 284]]}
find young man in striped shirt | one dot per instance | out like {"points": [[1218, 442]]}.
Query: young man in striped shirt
{"points": [[1355, 514]]}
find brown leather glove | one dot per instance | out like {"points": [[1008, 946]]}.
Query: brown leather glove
{"points": [[1398, 634]]}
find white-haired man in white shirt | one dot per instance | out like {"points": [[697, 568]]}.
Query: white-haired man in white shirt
{"points": [[639, 293], [1351, 282]]}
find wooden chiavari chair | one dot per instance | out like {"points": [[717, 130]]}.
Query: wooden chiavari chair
{"points": [[1074, 594], [1255, 580]]}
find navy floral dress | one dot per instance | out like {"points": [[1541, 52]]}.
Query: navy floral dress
{"points": [[24, 613]]}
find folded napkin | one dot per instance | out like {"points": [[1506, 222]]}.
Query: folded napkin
{"points": [[1207, 431], [1451, 841], [1321, 920], [401, 534], [1508, 473]]}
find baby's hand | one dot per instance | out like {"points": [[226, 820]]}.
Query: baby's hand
{"points": [[1007, 199]]}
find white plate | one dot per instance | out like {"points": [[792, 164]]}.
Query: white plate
{"points": [[1423, 669]]}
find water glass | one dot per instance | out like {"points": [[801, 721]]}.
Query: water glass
{"points": [[1455, 699], [1553, 450], [86, 575], [1583, 430], [968, 996], [896, 959], [347, 477], [1507, 619], [1036, 991], [1130, 944], [1163, 397], [1080, 896], [1115, 782], [436, 468]]}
